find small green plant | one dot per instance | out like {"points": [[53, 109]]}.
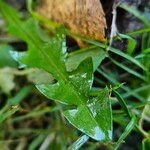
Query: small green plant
{"points": [[71, 77], [72, 88]]}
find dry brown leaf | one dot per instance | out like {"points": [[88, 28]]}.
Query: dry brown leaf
{"points": [[84, 17]]}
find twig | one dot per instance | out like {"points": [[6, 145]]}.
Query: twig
{"points": [[113, 25]]}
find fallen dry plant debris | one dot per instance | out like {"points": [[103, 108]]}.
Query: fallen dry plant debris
{"points": [[84, 17]]}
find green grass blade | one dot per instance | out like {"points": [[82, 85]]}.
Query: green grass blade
{"points": [[137, 90], [80, 142], [122, 103], [127, 131], [131, 71], [115, 82], [140, 31], [135, 12]]}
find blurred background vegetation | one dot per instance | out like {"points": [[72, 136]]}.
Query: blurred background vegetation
{"points": [[28, 120]]}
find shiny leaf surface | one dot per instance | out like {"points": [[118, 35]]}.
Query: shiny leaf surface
{"points": [[94, 121]]}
